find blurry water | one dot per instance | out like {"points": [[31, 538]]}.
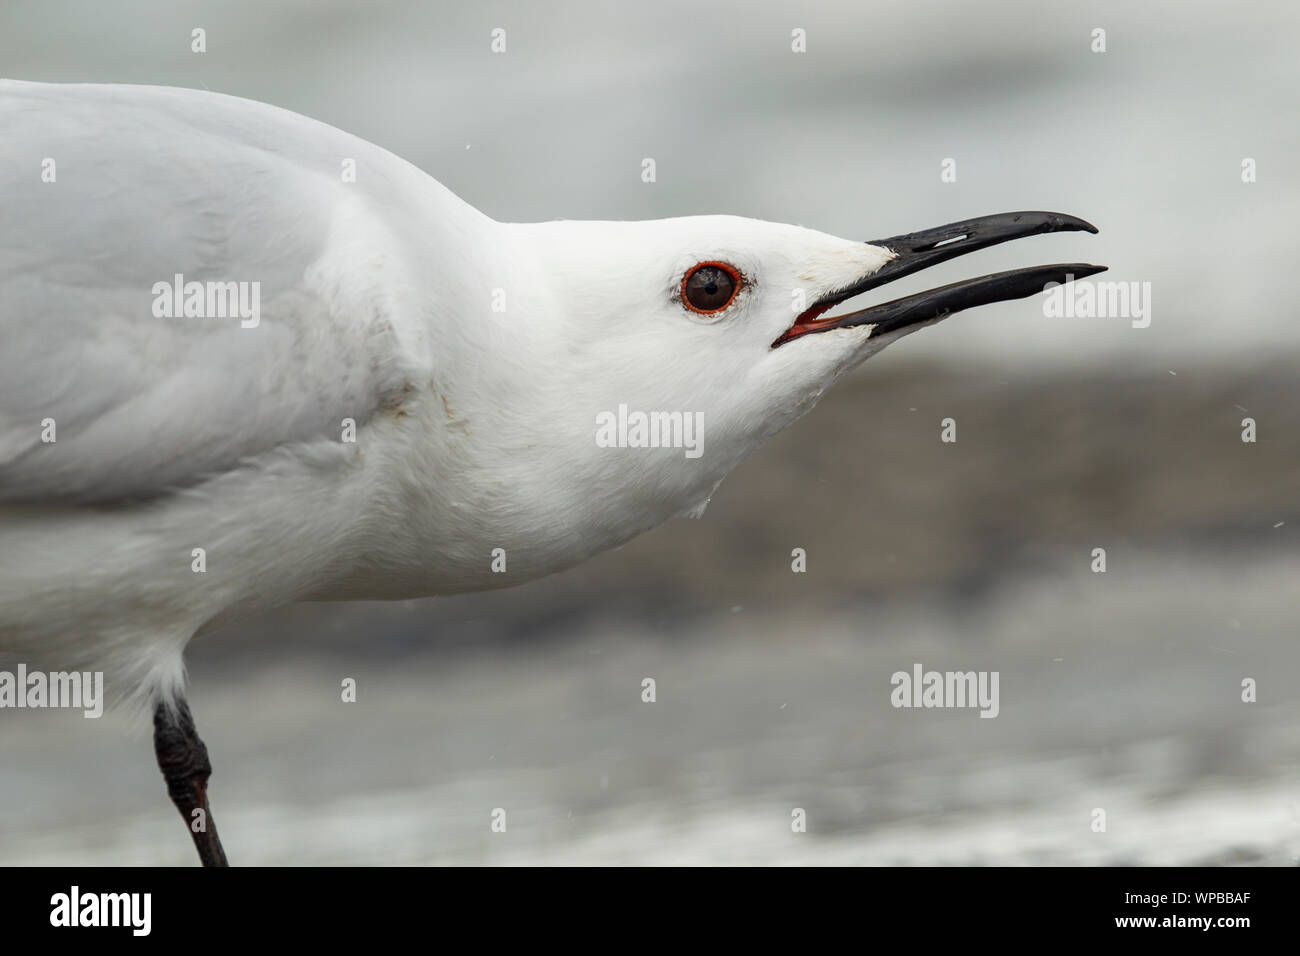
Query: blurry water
{"points": [[1118, 692]]}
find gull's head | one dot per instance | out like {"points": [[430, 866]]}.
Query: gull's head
{"points": [[738, 323]]}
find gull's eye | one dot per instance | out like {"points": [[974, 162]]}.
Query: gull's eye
{"points": [[710, 287]]}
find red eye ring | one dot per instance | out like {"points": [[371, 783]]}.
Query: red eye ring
{"points": [[733, 274]]}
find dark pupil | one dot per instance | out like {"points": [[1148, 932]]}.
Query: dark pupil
{"points": [[709, 288]]}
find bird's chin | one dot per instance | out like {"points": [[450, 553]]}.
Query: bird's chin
{"points": [[800, 373]]}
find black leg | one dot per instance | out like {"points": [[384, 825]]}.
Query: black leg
{"points": [[183, 760]]}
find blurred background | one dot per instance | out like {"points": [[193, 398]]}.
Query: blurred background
{"points": [[1120, 691]]}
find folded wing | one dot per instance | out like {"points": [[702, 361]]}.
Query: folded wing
{"points": [[107, 194]]}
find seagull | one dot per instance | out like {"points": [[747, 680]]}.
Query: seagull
{"points": [[250, 359]]}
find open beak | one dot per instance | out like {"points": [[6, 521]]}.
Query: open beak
{"points": [[920, 250]]}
